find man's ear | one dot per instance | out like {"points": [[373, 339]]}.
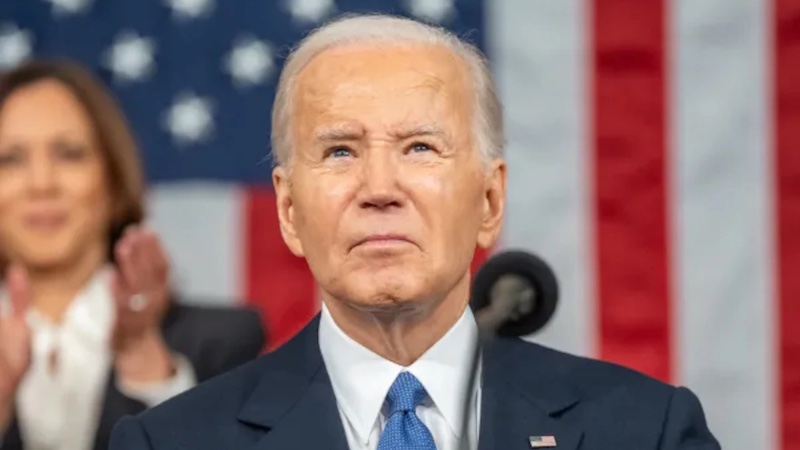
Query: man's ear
{"points": [[494, 203], [285, 203]]}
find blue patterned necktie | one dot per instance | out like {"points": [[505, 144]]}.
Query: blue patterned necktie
{"points": [[404, 430]]}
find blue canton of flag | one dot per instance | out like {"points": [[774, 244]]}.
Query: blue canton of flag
{"points": [[196, 77]]}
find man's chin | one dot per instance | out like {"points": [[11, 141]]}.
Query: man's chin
{"points": [[384, 300], [390, 308], [382, 289]]}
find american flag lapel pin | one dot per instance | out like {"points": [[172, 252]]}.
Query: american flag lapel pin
{"points": [[542, 441]]}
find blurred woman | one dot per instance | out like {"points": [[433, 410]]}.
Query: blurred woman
{"points": [[88, 329]]}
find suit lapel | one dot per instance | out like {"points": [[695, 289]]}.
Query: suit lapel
{"points": [[520, 399], [313, 422], [294, 403]]}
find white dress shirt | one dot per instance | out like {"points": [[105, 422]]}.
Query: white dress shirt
{"points": [[361, 380], [60, 398]]}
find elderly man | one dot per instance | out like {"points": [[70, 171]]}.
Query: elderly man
{"points": [[388, 139]]}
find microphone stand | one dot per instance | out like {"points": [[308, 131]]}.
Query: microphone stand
{"points": [[516, 295], [471, 403], [507, 305]]}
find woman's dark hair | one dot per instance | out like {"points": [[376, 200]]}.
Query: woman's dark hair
{"points": [[118, 147]]}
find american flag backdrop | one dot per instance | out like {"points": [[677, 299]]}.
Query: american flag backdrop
{"points": [[653, 149]]}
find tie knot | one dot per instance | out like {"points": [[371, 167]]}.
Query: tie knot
{"points": [[405, 394]]}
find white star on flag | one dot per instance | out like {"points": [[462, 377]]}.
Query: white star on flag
{"points": [[189, 119], [16, 46], [67, 7], [310, 11], [130, 57], [190, 9], [433, 10], [250, 61]]}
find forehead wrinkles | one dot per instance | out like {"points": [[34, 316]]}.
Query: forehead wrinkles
{"points": [[367, 65], [332, 87], [339, 102], [324, 96]]}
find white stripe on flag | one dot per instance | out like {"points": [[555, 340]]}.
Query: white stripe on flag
{"points": [[201, 226], [538, 52], [723, 260]]}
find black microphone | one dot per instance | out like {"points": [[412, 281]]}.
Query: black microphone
{"points": [[514, 293]]}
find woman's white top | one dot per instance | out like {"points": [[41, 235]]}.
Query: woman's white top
{"points": [[61, 396]]}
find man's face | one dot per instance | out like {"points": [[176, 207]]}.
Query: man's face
{"points": [[387, 195]]}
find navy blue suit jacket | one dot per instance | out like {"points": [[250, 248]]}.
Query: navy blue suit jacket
{"points": [[284, 400]]}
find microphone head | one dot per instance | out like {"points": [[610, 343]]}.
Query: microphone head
{"points": [[515, 293]]}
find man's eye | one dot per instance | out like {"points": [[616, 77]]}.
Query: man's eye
{"points": [[419, 147], [340, 152]]}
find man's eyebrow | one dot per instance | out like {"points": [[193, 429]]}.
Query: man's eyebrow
{"points": [[420, 130], [341, 132], [348, 132]]}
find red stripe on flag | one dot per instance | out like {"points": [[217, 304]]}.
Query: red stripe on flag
{"points": [[630, 160], [787, 164], [477, 261], [278, 283]]}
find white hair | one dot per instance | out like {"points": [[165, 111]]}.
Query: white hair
{"points": [[377, 29]]}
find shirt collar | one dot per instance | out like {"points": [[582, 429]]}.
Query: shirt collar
{"points": [[445, 369], [361, 378]]}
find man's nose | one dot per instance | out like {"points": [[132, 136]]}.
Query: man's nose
{"points": [[380, 181]]}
